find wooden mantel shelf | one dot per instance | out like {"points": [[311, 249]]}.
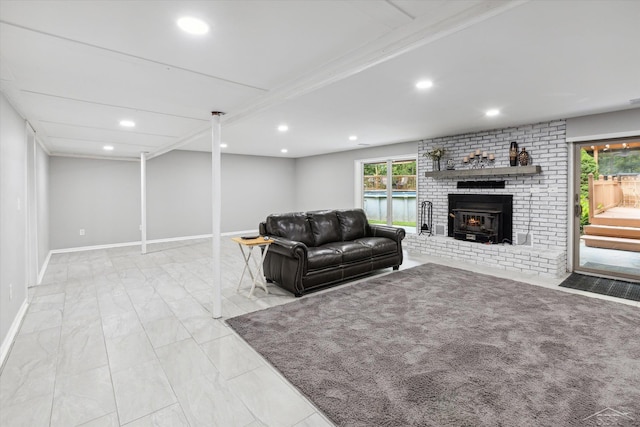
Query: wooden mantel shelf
{"points": [[485, 172]]}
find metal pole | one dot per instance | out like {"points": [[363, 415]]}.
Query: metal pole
{"points": [[216, 210], [143, 199]]}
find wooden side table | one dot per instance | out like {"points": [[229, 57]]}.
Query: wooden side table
{"points": [[257, 278]]}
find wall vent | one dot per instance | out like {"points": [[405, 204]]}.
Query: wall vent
{"points": [[524, 239]]}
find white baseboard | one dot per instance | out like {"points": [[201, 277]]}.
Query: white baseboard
{"points": [[120, 245], [44, 268], [13, 331]]}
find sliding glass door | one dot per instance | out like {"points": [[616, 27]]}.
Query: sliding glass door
{"points": [[607, 207], [389, 192]]}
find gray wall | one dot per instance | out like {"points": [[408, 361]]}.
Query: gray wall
{"points": [[13, 216], [178, 195], [179, 192], [103, 196], [100, 196], [253, 187], [625, 122], [328, 181]]}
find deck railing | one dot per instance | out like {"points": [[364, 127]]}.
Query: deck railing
{"points": [[611, 192]]}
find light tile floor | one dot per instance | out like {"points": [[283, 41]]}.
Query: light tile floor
{"points": [[114, 338]]}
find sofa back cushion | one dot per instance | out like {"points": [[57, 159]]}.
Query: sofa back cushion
{"points": [[325, 227], [292, 226], [353, 223]]}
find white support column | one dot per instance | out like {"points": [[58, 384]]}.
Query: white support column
{"points": [[143, 199], [216, 210]]}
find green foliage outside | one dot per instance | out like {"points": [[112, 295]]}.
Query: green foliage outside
{"points": [[403, 175], [587, 165], [615, 162], [398, 168], [375, 169]]}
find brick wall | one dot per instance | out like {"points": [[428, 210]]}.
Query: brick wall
{"points": [[540, 201]]}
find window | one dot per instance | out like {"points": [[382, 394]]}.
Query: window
{"points": [[387, 191]]}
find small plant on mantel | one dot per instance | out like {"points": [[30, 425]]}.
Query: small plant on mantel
{"points": [[435, 154]]}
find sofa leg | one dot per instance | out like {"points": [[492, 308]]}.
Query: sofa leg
{"points": [[396, 267]]}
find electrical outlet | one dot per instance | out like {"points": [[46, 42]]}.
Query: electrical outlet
{"points": [[82, 231]]}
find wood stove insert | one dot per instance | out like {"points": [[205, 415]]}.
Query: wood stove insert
{"points": [[481, 218]]}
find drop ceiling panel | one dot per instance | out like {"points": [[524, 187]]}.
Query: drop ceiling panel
{"points": [[245, 36], [88, 114], [417, 8], [72, 147], [59, 67], [59, 131]]}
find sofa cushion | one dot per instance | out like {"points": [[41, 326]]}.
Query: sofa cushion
{"points": [[325, 227], [379, 245], [353, 223], [292, 226], [322, 257], [351, 251]]}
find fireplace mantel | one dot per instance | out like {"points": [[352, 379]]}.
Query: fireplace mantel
{"points": [[486, 172]]}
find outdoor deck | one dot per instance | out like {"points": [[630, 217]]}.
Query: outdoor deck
{"points": [[619, 216], [616, 228], [620, 212]]}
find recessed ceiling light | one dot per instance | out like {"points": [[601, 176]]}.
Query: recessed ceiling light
{"points": [[223, 145], [424, 84], [284, 150], [283, 128], [492, 113], [193, 25], [108, 148], [127, 123], [353, 138]]}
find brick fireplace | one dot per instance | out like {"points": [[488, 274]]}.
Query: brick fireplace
{"points": [[539, 201]]}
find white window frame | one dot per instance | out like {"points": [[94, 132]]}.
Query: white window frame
{"points": [[359, 171]]}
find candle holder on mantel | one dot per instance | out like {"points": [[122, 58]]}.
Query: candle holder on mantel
{"points": [[479, 160]]}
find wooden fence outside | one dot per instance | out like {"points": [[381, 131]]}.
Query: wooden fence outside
{"points": [[613, 192]]}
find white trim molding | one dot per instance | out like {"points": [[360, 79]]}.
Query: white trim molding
{"points": [[628, 134], [13, 332], [137, 243]]}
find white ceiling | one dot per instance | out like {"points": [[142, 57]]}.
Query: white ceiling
{"points": [[328, 69]]}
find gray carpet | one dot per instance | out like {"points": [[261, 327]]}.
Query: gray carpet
{"points": [[439, 346]]}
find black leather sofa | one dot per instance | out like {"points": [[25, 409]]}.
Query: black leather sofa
{"points": [[320, 248]]}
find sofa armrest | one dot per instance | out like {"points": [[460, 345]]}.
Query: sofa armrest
{"points": [[289, 248], [286, 264], [394, 233]]}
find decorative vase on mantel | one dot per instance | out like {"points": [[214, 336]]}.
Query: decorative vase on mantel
{"points": [[524, 157], [436, 164], [513, 154]]}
